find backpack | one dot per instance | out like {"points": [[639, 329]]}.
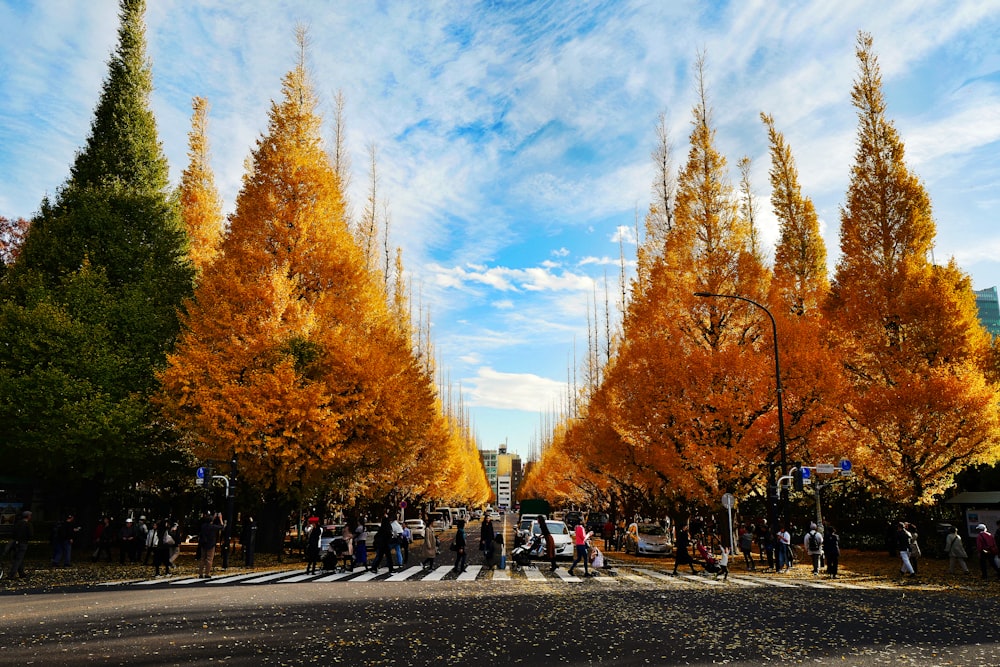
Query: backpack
{"points": [[814, 541]]}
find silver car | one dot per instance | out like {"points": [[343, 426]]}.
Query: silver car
{"points": [[648, 539]]}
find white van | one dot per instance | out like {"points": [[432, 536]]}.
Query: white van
{"points": [[448, 515]]}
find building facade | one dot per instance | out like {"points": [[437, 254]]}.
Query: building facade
{"points": [[504, 473], [989, 309]]}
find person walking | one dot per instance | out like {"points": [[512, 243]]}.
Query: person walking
{"points": [[831, 550], [813, 544], [580, 547], [550, 543], [152, 541], [915, 552], [361, 544], [428, 549], [902, 546], [682, 550], [783, 546], [312, 547], [23, 532], [248, 541], [955, 548], [161, 547], [486, 535], [746, 548], [723, 564], [208, 539], [126, 540], [460, 543], [383, 537], [986, 547], [65, 534]]}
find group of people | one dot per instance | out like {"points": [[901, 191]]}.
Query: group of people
{"points": [[775, 549]]}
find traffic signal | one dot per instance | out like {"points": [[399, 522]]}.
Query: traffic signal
{"points": [[797, 477]]}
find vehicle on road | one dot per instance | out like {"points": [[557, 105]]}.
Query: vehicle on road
{"points": [[417, 529], [596, 521], [573, 518], [495, 516], [562, 536], [648, 539], [330, 533]]}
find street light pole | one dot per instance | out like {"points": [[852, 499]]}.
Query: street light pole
{"points": [[777, 380]]}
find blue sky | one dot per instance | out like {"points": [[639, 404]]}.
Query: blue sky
{"points": [[514, 138]]}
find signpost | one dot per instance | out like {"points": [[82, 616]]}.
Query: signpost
{"points": [[729, 501], [199, 477], [845, 467], [806, 476]]}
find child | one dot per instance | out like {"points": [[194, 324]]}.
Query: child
{"points": [[723, 564]]}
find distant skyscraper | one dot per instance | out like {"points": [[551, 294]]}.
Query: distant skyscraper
{"points": [[989, 309]]}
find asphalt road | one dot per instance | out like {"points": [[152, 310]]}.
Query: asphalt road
{"points": [[607, 619], [632, 615]]}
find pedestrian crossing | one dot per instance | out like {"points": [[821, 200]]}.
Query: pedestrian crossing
{"points": [[612, 576]]}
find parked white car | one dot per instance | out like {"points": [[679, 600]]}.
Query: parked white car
{"points": [[417, 529], [561, 536]]}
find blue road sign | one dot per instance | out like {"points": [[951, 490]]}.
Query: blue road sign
{"points": [[845, 466], [806, 473], [200, 473]]}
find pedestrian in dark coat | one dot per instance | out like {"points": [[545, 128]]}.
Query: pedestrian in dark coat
{"points": [[382, 541], [460, 562], [682, 555], [486, 536], [831, 550], [312, 548], [19, 544]]}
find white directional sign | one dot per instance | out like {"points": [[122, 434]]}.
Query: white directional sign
{"points": [[825, 468]]}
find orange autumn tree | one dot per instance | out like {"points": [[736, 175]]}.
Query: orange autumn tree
{"points": [[289, 358], [812, 385], [922, 408], [692, 388], [201, 206]]}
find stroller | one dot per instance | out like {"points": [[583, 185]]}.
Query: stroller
{"points": [[711, 562], [522, 553], [338, 551]]}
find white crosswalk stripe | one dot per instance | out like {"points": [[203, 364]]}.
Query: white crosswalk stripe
{"points": [[268, 577], [643, 576], [567, 577], [299, 578], [439, 573], [232, 578], [405, 574]]}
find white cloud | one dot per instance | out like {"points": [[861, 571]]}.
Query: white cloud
{"points": [[511, 391]]}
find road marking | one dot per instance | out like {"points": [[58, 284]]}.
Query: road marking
{"points": [[660, 576], [534, 574], [268, 577], [472, 571], [501, 575], [366, 576], [745, 582], [405, 574], [148, 582], [815, 584], [232, 578], [567, 577], [700, 579], [191, 580], [336, 576], [840, 584], [438, 573], [774, 582], [299, 578]]}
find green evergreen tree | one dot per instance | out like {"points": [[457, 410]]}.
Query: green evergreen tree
{"points": [[90, 306]]}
